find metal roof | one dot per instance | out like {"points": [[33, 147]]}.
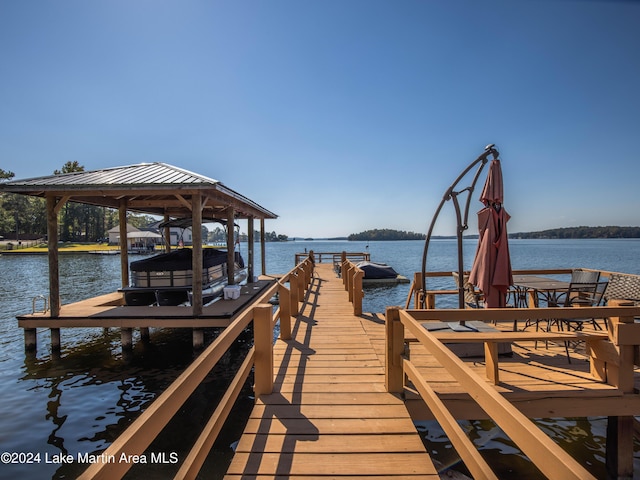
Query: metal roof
{"points": [[140, 174], [155, 188]]}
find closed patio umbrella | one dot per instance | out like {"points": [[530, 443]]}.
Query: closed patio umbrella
{"points": [[491, 270]]}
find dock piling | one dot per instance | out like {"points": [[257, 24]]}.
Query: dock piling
{"points": [[30, 339], [126, 338], [198, 338], [55, 339]]}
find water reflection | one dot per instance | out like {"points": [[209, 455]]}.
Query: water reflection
{"points": [[93, 394]]}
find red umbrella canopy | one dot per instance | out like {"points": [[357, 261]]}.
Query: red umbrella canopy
{"points": [[491, 270], [493, 191]]}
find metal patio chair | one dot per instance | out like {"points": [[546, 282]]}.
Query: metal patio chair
{"points": [[472, 297]]}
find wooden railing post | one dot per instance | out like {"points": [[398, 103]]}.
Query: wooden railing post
{"points": [[394, 334], [357, 291], [263, 341], [418, 282], [619, 447], [344, 269], [624, 340], [312, 263], [301, 283], [309, 264], [293, 293], [285, 312]]}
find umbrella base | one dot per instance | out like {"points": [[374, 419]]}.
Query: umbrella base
{"points": [[458, 327]]}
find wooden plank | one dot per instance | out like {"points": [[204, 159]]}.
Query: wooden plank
{"points": [[323, 443], [328, 426], [332, 464], [331, 379], [313, 370], [331, 398], [307, 387], [329, 411], [330, 414], [323, 477]]}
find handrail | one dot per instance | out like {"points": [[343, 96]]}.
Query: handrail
{"points": [[332, 257], [352, 279], [416, 290], [550, 458], [137, 438]]}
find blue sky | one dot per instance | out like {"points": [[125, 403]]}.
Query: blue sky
{"points": [[339, 116]]}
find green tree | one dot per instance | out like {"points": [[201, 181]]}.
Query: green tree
{"points": [[6, 175], [70, 223], [69, 167], [6, 217]]}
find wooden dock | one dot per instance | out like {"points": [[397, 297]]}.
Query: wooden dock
{"points": [[329, 413], [109, 311], [338, 392]]}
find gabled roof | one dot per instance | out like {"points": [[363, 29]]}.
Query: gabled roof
{"points": [[155, 188]]}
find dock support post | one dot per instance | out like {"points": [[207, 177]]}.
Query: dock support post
{"points": [[198, 338], [394, 333], [619, 447], [144, 334], [285, 312], [53, 207], [124, 246], [126, 338], [30, 339], [263, 341], [55, 339], [250, 250], [263, 261]]}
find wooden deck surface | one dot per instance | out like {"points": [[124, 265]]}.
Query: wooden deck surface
{"points": [[329, 414], [108, 311]]}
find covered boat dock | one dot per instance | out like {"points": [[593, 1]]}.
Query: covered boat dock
{"points": [[150, 188]]}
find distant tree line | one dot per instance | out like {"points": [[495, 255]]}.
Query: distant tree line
{"points": [[385, 234], [582, 232], [220, 235]]}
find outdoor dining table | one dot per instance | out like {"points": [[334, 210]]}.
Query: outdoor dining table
{"points": [[529, 289]]}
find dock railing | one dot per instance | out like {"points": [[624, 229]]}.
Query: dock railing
{"points": [[334, 257], [138, 437], [418, 295], [611, 356], [344, 264], [352, 279]]}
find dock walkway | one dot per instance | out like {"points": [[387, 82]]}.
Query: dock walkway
{"points": [[329, 413]]}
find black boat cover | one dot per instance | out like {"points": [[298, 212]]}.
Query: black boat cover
{"points": [[377, 270], [181, 260]]}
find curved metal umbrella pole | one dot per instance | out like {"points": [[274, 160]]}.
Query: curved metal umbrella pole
{"points": [[461, 219]]}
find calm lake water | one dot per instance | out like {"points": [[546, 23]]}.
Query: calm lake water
{"points": [[78, 402]]}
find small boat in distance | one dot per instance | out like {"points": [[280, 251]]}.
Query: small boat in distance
{"points": [[167, 278], [380, 273], [376, 270]]}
